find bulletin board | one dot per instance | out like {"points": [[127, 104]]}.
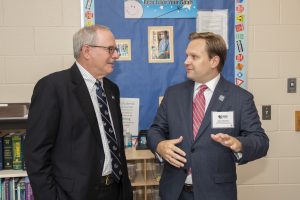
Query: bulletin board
{"points": [[137, 76]]}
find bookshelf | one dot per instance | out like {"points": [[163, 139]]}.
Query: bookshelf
{"points": [[145, 178], [8, 123], [12, 123], [13, 182], [10, 173]]}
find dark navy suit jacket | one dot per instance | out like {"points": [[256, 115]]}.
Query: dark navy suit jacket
{"points": [[63, 148], [213, 165]]}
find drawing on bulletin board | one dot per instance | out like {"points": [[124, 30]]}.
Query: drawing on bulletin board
{"points": [[124, 47], [147, 79], [160, 8], [87, 12], [160, 44]]}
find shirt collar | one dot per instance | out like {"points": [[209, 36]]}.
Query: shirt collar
{"points": [[210, 84], [88, 77]]}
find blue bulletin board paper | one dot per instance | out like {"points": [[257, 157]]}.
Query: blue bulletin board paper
{"points": [[138, 78]]}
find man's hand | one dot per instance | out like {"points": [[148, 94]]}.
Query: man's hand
{"points": [[172, 154], [228, 141]]}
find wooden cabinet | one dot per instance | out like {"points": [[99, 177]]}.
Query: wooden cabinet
{"points": [[145, 178]]}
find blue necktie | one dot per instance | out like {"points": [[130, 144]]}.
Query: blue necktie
{"points": [[109, 131]]}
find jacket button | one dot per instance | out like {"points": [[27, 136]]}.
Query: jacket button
{"points": [[185, 171], [192, 150]]}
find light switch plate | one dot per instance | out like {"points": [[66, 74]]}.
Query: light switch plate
{"points": [[266, 112], [291, 85]]}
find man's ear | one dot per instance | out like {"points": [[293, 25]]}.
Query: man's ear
{"points": [[215, 61], [85, 50]]}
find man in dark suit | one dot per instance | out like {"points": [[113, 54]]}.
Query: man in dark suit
{"points": [[204, 126], [69, 153]]}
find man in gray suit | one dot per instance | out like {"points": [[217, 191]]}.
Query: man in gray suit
{"points": [[204, 126]]}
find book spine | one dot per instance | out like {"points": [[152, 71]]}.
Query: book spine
{"points": [[22, 190], [28, 190], [7, 148], [6, 189], [22, 151], [1, 191], [1, 153], [16, 151]]}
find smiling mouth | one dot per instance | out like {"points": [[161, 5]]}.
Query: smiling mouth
{"points": [[131, 12]]}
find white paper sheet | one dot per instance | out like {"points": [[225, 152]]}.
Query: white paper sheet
{"points": [[215, 21], [130, 111]]}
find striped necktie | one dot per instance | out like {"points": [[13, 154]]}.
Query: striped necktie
{"points": [[109, 131], [198, 109]]}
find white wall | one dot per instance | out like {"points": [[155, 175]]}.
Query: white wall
{"points": [[274, 51], [39, 41], [35, 40]]}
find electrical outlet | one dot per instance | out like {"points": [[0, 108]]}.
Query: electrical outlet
{"points": [[291, 85], [266, 112]]}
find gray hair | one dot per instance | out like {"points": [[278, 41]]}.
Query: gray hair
{"points": [[86, 35]]}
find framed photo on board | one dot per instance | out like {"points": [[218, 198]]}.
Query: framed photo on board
{"points": [[124, 48], [160, 44]]}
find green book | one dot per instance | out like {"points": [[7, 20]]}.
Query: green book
{"points": [[1, 150], [16, 151], [7, 149]]}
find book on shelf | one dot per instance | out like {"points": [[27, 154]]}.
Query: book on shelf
{"points": [[16, 151], [22, 151], [28, 189], [2, 134], [7, 152], [6, 188], [20, 191], [15, 189]]}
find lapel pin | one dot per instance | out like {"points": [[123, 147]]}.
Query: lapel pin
{"points": [[221, 98], [113, 97]]}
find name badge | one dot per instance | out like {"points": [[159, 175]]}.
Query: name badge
{"points": [[222, 119]]}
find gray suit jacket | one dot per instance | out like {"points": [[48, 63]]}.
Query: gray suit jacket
{"points": [[213, 165]]}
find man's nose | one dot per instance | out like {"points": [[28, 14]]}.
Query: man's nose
{"points": [[187, 61], [116, 54]]}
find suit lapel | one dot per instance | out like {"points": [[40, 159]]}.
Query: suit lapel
{"points": [[187, 110], [82, 94], [218, 98]]}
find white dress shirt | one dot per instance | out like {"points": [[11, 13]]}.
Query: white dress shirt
{"points": [[90, 83]]}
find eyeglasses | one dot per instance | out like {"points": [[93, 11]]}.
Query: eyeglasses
{"points": [[110, 49]]}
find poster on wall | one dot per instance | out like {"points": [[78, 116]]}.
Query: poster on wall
{"points": [[241, 47], [124, 47], [160, 44], [87, 13], [160, 8], [215, 21], [130, 114]]}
